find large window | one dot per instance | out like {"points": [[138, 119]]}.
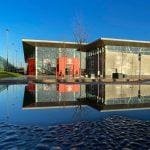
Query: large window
{"points": [[128, 49], [47, 58], [131, 61]]}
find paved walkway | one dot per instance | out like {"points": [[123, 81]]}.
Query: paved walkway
{"points": [[26, 79], [14, 80]]}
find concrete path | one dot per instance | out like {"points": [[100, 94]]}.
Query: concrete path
{"points": [[14, 80], [26, 79]]}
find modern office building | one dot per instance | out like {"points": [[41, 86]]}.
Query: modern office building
{"points": [[101, 58], [106, 56], [53, 58]]}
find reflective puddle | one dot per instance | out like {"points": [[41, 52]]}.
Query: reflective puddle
{"points": [[41, 104], [74, 116]]}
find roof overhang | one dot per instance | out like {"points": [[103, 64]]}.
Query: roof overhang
{"points": [[125, 42], [47, 43], [30, 44], [117, 42]]}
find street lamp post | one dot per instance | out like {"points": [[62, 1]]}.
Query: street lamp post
{"points": [[16, 58], [7, 30], [13, 61], [139, 58]]}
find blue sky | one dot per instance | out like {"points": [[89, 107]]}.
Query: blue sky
{"points": [[55, 19]]}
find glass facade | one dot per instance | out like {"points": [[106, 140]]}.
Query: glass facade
{"points": [[128, 49], [127, 60], [47, 58], [131, 61], [94, 63], [54, 60]]}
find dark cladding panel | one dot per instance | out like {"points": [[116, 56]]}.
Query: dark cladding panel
{"points": [[29, 51]]}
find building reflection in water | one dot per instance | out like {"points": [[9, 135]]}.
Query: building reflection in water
{"points": [[120, 97], [101, 97]]}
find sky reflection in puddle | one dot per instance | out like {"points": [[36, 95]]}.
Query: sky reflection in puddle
{"points": [[41, 104]]}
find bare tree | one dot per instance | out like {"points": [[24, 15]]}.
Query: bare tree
{"points": [[80, 37]]}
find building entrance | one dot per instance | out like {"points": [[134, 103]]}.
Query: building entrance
{"points": [[67, 67]]}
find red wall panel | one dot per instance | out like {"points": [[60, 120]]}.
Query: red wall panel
{"points": [[72, 64], [31, 66]]}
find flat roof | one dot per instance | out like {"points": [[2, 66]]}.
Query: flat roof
{"points": [[30, 44], [117, 42], [48, 43], [124, 40]]}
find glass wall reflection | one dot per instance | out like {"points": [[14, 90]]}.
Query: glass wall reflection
{"points": [[59, 61], [119, 97], [98, 96], [42, 104]]}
